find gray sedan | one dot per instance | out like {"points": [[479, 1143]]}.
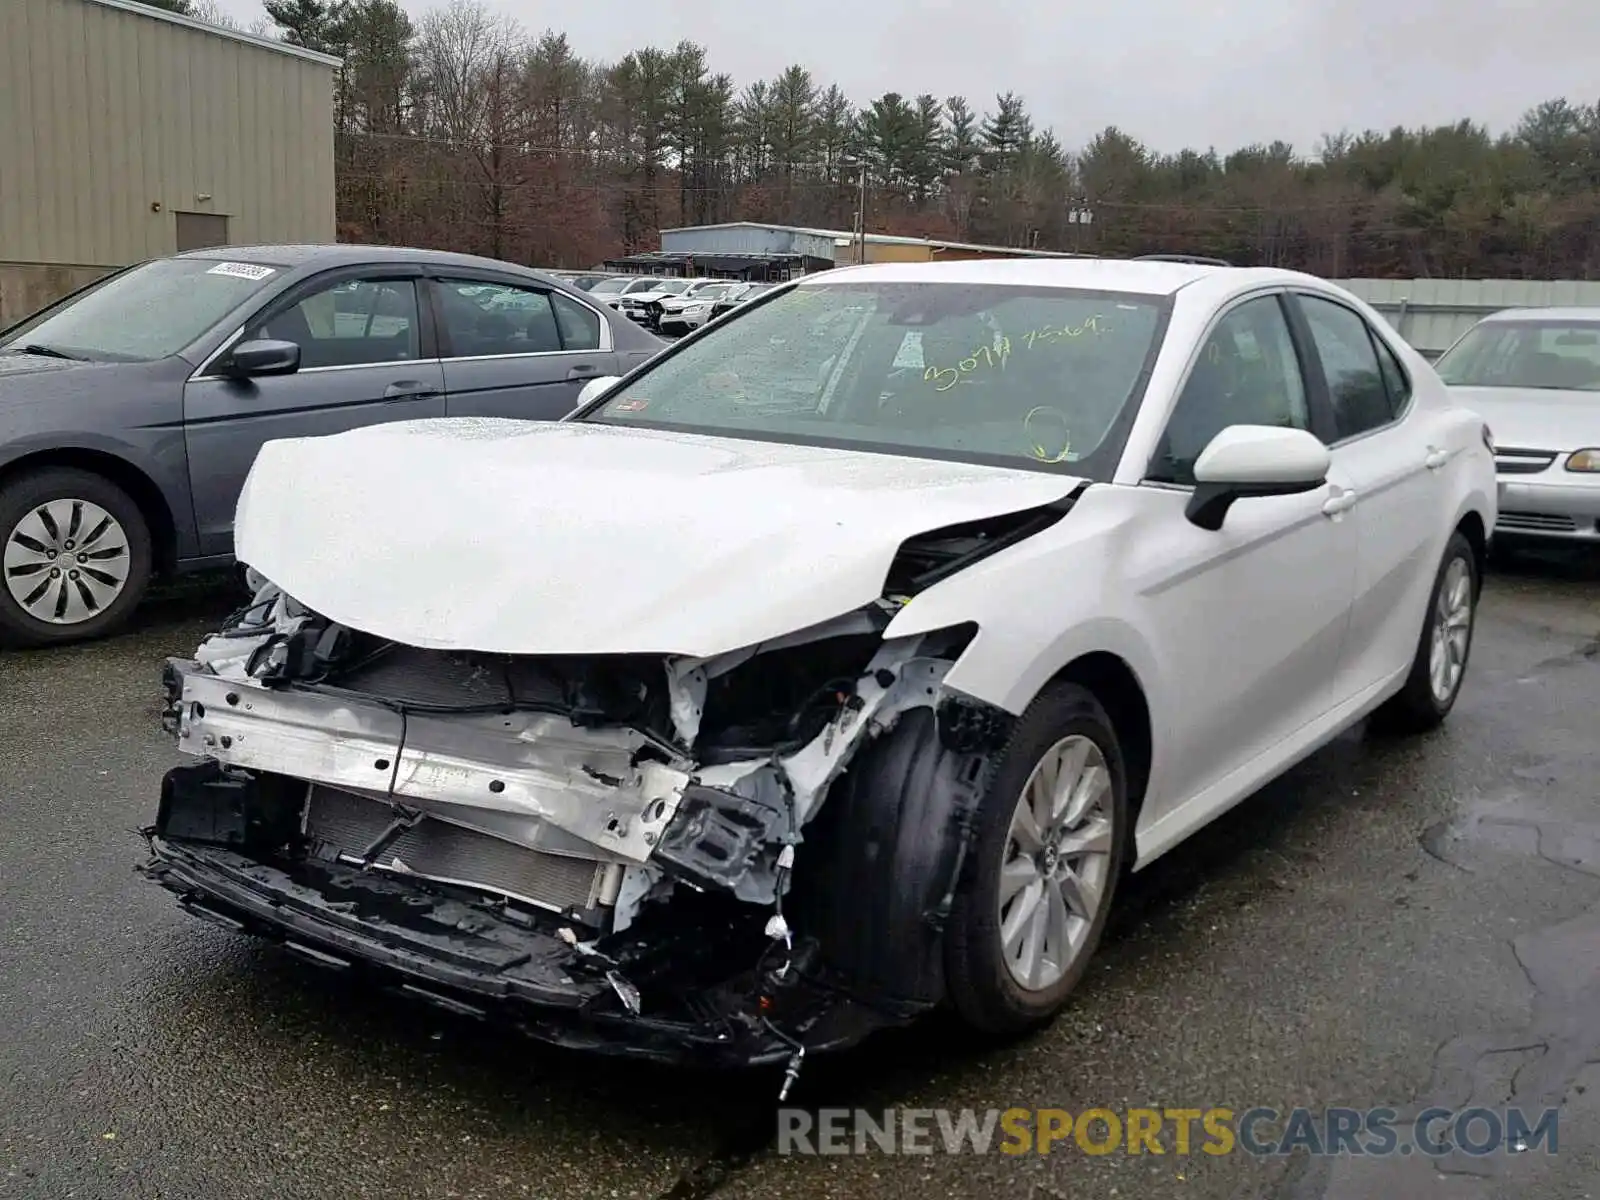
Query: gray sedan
{"points": [[131, 411]]}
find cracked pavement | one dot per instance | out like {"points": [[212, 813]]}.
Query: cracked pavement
{"points": [[1400, 923]]}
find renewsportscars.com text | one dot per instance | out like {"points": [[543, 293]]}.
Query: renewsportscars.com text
{"points": [[1260, 1132]]}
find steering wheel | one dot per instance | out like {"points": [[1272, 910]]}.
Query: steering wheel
{"points": [[1039, 440]]}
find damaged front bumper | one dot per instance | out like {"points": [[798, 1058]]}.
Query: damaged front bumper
{"points": [[659, 1000], [598, 884]]}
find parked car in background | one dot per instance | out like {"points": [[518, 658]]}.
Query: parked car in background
{"points": [[645, 306], [778, 650], [1534, 375], [584, 280], [131, 411], [680, 314], [610, 291], [739, 293]]}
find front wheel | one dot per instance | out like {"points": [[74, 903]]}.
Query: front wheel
{"points": [[1440, 663], [1052, 838], [75, 557]]}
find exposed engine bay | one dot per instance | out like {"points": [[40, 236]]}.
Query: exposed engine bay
{"points": [[630, 851]]}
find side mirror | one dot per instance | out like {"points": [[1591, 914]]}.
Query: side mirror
{"points": [[595, 388], [264, 357], [1254, 460]]}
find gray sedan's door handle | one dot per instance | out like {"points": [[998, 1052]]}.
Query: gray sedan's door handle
{"points": [[409, 389], [583, 371], [1436, 458]]}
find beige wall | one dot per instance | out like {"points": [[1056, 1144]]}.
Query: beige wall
{"points": [[112, 121], [27, 287]]}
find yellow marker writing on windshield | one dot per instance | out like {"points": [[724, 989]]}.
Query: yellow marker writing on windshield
{"points": [[945, 378], [1040, 452]]}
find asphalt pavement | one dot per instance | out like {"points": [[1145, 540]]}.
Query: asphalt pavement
{"points": [[1396, 923]]}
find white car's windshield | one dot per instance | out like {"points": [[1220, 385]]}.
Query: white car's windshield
{"points": [[610, 287], [150, 312], [1016, 376], [1526, 354], [671, 287]]}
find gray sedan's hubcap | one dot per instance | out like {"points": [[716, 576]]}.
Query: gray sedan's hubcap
{"points": [[1452, 628], [66, 561], [1057, 863]]}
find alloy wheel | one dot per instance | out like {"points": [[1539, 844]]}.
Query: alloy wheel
{"points": [[1057, 865], [1452, 631], [66, 561]]}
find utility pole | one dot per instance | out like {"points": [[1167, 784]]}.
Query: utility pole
{"points": [[861, 217]]}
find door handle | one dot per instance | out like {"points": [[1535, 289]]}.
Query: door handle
{"points": [[583, 371], [1436, 458], [408, 388], [1343, 502]]}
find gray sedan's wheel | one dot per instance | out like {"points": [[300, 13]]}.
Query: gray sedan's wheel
{"points": [[1052, 838], [74, 557]]}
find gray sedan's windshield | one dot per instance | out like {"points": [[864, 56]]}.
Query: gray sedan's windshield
{"points": [[1016, 376], [1526, 354], [147, 313]]}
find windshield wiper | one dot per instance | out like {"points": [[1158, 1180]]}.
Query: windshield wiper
{"points": [[44, 351]]}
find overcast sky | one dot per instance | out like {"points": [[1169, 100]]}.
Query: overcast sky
{"points": [[1173, 73]]}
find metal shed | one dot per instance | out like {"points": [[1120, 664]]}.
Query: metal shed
{"points": [[131, 132]]}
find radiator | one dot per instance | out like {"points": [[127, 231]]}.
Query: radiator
{"points": [[447, 853]]}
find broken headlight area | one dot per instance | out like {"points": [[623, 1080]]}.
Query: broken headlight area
{"points": [[609, 838]]}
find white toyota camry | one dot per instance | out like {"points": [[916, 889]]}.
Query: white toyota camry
{"points": [[832, 666]]}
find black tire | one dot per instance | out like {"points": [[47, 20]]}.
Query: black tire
{"points": [[1416, 708], [26, 493], [979, 986]]}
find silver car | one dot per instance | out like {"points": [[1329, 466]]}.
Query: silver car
{"points": [[1534, 377]]}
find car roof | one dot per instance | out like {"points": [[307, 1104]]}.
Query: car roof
{"points": [[1546, 314], [1099, 274], [342, 254]]}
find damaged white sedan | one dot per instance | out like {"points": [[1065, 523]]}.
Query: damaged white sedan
{"points": [[832, 666]]}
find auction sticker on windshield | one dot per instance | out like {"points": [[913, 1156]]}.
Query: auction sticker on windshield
{"points": [[242, 270]]}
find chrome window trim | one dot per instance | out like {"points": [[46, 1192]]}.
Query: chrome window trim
{"points": [[203, 373]]}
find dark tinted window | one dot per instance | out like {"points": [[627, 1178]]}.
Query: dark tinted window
{"points": [[1247, 374], [351, 323], [579, 324], [1395, 378], [482, 319], [1350, 364]]}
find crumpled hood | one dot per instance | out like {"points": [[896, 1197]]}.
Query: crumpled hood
{"points": [[1535, 418], [523, 537]]}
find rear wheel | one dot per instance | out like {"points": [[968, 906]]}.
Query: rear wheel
{"points": [[1440, 663], [75, 557], [1051, 840]]}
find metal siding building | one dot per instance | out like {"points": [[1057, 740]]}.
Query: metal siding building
{"points": [[840, 246], [129, 132], [1432, 313]]}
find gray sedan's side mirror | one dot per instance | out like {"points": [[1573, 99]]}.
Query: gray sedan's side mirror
{"points": [[264, 356]]}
